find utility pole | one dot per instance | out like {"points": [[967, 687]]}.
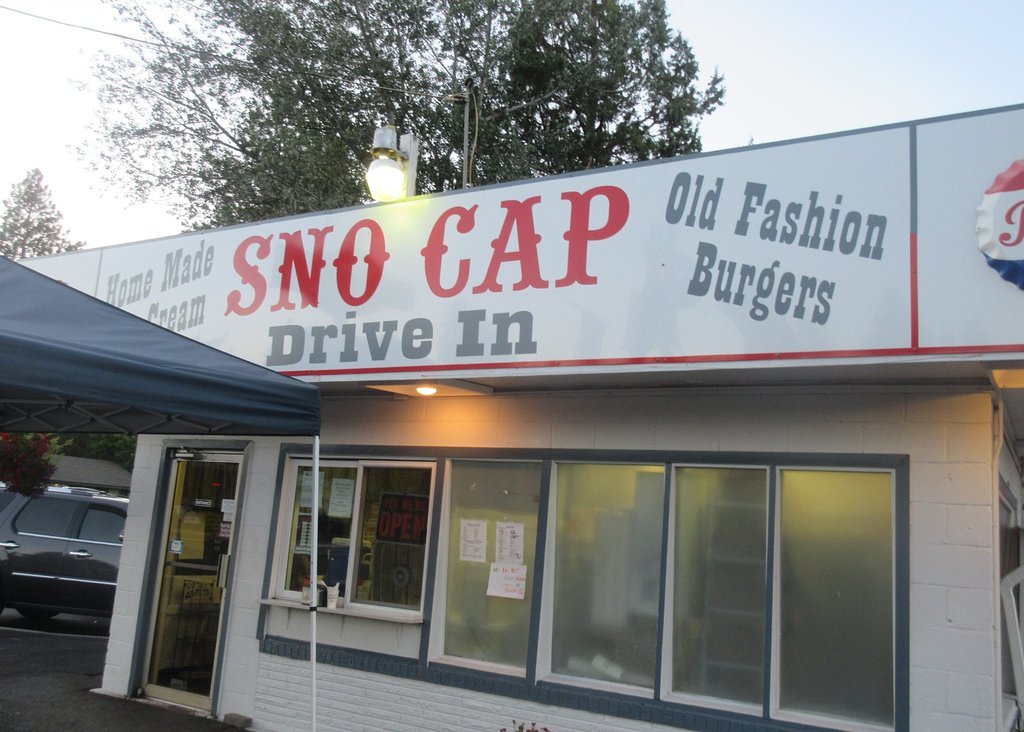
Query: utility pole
{"points": [[466, 98]]}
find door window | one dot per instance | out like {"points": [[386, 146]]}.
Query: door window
{"points": [[187, 631]]}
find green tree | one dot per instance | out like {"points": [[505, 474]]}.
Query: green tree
{"points": [[249, 109], [116, 447], [31, 225]]}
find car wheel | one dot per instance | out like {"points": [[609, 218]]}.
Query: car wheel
{"points": [[35, 613]]}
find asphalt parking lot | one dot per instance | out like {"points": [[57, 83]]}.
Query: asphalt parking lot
{"points": [[48, 669]]}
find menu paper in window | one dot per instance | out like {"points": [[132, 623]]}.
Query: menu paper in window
{"points": [[306, 496], [472, 540], [304, 535], [342, 491], [510, 542], [507, 580]]}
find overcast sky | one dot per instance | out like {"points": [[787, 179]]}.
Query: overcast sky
{"points": [[792, 68]]}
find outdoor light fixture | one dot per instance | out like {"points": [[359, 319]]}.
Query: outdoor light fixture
{"points": [[392, 173], [440, 388]]}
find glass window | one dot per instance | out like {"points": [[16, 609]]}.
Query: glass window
{"points": [[334, 526], [102, 524], [46, 517], [492, 537], [834, 599], [392, 535], [607, 569], [718, 619]]}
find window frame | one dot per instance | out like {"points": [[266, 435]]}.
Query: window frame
{"points": [[775, 711], [283, 548], [347, 604], [436, 650], [595, 694], [543, 664], [667, 678]]}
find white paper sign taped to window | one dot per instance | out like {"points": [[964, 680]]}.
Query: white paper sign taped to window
{"points": [[507, 580], [306, 496], [510, 543], [342, 491], [472, 540]]}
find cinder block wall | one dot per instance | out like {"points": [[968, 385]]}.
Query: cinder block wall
{"points": [[951, 441], [128, 601], [954, 674]]}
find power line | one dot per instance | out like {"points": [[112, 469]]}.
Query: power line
{"points": [[182, 48], [76, 26]]}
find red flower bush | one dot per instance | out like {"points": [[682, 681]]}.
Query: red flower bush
{"points": [[24, 462]]}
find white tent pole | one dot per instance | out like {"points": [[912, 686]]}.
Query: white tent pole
{"points": [[314, 589]]}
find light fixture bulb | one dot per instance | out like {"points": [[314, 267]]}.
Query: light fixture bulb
{"points": [[386, 179], [426, 390]]}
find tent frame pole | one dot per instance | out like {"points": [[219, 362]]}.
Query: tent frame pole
{"points": [[314, 588]]}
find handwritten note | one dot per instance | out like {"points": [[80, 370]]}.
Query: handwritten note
{"points": [[507, 580]]}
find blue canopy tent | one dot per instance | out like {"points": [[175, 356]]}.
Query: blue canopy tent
{"points": [[72, 363]]}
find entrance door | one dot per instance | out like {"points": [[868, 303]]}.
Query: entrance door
{"points": [[197, 548]]}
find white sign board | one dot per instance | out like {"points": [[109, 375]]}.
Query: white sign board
{"points": [[851, 246]]}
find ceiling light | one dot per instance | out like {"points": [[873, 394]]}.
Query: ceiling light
{"points": [[441, 388]]}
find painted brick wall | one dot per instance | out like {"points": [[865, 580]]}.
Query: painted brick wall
{"points": [[254, 529], [359, 702], [137, 537], [954, 685]]}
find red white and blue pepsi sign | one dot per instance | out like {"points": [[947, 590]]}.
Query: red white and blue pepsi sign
{"points": [[1001, 224]]}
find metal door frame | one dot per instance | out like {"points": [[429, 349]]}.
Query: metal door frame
{"points": [[164, 510]]}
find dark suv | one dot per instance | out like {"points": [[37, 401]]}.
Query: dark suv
{"points": [[59, 552]]}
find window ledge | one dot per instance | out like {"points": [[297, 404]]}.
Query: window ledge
{"points": [[371, 612], [599, 685]]}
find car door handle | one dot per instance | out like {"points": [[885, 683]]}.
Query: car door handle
{"points": [[80, 554], [9, 545]]}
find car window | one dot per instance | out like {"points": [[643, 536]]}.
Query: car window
{"points": [[102, 524], [45, 516], [5, 498]]}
